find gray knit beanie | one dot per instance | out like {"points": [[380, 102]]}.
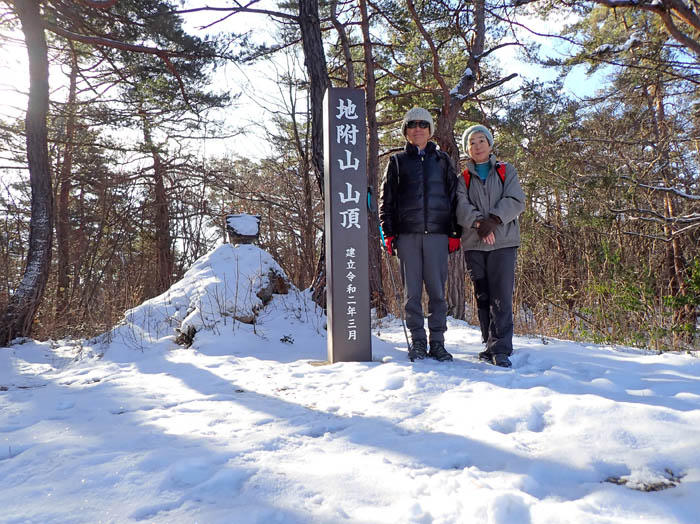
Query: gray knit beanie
{"points": [[476, 129], [417, 113]]}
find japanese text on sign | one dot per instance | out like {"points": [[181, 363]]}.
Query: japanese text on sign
{"points": [[347, 226], [346, 133]]}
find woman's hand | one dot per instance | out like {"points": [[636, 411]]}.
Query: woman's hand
{"points": [[490, 239], [488, 226]]}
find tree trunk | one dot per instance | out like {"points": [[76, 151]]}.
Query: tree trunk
{"points": [[162, 224], [315, 62], [445, 137], [452, 101], [308, 228], [376, 288], [318, 288], [676, 264], [344, 42], [63, 234], [17, 319], [161, 220], [456, 297]]}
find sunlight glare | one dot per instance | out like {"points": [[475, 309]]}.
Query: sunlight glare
{"points": [[13, 76]]}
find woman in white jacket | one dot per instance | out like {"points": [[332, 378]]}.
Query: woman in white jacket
{"points": [[489, 202]]}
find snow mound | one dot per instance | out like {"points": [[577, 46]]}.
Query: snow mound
{"points": [[229, 283]]}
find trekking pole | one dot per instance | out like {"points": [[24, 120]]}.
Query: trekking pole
{"points": [[397, 297]]}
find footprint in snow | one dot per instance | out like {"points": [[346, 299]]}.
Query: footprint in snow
{"points": [[506, 509], [533, 420]]}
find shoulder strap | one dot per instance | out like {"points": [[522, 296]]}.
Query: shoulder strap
{"points": [[500, 169], [467, 176]]}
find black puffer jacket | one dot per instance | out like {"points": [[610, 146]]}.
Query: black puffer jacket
{"points": [[421, 196]]}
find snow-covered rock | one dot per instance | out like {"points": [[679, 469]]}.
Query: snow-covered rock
{"points": [[229, 283]]}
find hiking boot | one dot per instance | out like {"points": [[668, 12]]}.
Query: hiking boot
{"points": [[438, 351], [501, 360], [418, 350], [487, 356]]}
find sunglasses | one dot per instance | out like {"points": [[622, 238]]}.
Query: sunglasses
{"points": [[420, 123]]}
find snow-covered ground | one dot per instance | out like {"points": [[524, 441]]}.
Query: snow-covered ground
{"points": [[246, 426]]}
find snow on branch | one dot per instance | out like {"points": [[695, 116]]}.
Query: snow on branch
{"points": [[493, 84], [634, 40], [462, 87], [675, 191], [667, 10]]}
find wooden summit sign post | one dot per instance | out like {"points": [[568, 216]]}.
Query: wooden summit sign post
{"points": [[347, 258]]}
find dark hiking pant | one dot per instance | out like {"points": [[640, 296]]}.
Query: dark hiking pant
{"points": [[493, 275], [424, 261]]}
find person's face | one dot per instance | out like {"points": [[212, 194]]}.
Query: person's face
{"points": [[479, 148], [418, 133]]}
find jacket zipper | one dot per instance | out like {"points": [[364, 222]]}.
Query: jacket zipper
{"points": [[425, 196]]}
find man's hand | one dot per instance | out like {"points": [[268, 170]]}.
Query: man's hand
{"points": [[453, 244], [389, 242]]}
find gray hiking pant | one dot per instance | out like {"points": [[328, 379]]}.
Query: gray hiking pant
{"points": [[493, 275], [424, 261]]}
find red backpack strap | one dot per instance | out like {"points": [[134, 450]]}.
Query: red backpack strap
{"points": [[467, 177], [501, 170]]}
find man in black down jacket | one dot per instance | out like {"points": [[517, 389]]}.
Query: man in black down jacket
{"points": [[418, 217]]}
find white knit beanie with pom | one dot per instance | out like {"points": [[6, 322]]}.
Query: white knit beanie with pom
{"points": [[417, 113]]}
